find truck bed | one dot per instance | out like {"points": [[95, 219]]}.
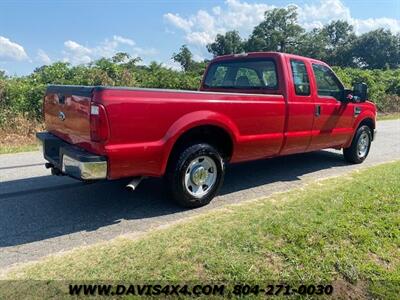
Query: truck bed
{"points": [[144, 123]]}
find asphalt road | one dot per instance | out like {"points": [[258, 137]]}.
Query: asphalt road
{"points": [[42, 214]]}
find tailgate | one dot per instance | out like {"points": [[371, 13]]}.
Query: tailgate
{"points": [[67, 112]]}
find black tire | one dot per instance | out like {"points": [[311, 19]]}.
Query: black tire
{"points": [[352, 153], [178, 167]]}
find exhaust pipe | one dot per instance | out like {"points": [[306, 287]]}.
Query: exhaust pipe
{"points": [[134, 183], [48, 165]]}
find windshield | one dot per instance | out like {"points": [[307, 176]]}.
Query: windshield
{"points": [[242, 74]]}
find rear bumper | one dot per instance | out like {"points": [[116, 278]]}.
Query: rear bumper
{"points": [[71, 160]]}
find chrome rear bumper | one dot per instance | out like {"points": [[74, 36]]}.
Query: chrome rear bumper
{"points": [[85, 170], [67, 159]]}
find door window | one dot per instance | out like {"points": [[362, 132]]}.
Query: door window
{"points": [[300, 78], [327, 82]]}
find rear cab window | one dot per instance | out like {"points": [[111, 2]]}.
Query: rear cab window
{"points": [[255, 73]]}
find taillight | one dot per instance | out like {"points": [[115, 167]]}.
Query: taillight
{"points": [[98, 123]]}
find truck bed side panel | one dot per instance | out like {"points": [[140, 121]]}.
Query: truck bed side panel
{"points": [[144, 124]]}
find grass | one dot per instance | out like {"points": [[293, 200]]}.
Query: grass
{"points": [[345, 231], [4, 149], [389, 116]]}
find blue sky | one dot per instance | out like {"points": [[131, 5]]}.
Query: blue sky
{"points": [[33, 33]]}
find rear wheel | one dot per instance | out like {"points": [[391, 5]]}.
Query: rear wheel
{"points": [[195, 175], [359, 148]]}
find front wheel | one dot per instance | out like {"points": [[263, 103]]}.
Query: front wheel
{"points": [[195, 175], [360, 145]]}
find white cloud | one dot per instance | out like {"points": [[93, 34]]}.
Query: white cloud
{"points": [[42, 57], [122, 40], [200, 37], [137, 51], [76, 53], [201, 27], [11, 51], [316, 15], [371, 24], [178, 21]]}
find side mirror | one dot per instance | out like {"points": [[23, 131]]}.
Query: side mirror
{"points": [[360, 91]]}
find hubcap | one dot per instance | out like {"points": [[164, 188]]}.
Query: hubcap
{"points": [[200, 176], [363, 144]]}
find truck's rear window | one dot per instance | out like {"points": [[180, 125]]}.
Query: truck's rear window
{"points": [[242, 74]]}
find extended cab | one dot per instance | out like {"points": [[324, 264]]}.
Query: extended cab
{"points": [[249, 106]]}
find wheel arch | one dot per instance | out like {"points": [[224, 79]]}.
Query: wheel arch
{"points": [[366, 120], [370, 123], [208, 127]]}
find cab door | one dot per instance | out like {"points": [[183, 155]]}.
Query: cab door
{"points": [[333, 117], [300, 113]]}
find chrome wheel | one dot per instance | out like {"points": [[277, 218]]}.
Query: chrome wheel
{"points": [[200, 176], [363, 145]]}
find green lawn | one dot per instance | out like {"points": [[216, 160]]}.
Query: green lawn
{"points": [[15, 149], [391, 116], [344, 230]]}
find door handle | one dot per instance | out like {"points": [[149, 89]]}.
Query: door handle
{"points": [[317, 110], [357, 111]]}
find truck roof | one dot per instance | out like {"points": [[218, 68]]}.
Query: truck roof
{"points": [[263, 54]]}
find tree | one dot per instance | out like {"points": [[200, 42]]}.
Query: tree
{"points": [[313, 44], [378, 49], [56, 73], [278, 32], [340, 37], [338, 32], [229, 43], [125, 60], [120, 57], [184, 57], [333, 44]]}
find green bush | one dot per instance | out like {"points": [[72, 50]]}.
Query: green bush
{"points": [[23, 95], [383, 85]]}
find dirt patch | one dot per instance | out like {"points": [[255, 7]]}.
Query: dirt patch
{"points": [[274, 262], [19, 131], [345, 290], [380, 261]]}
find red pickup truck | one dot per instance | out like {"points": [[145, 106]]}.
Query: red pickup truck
{"points": [[249, 106]]}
